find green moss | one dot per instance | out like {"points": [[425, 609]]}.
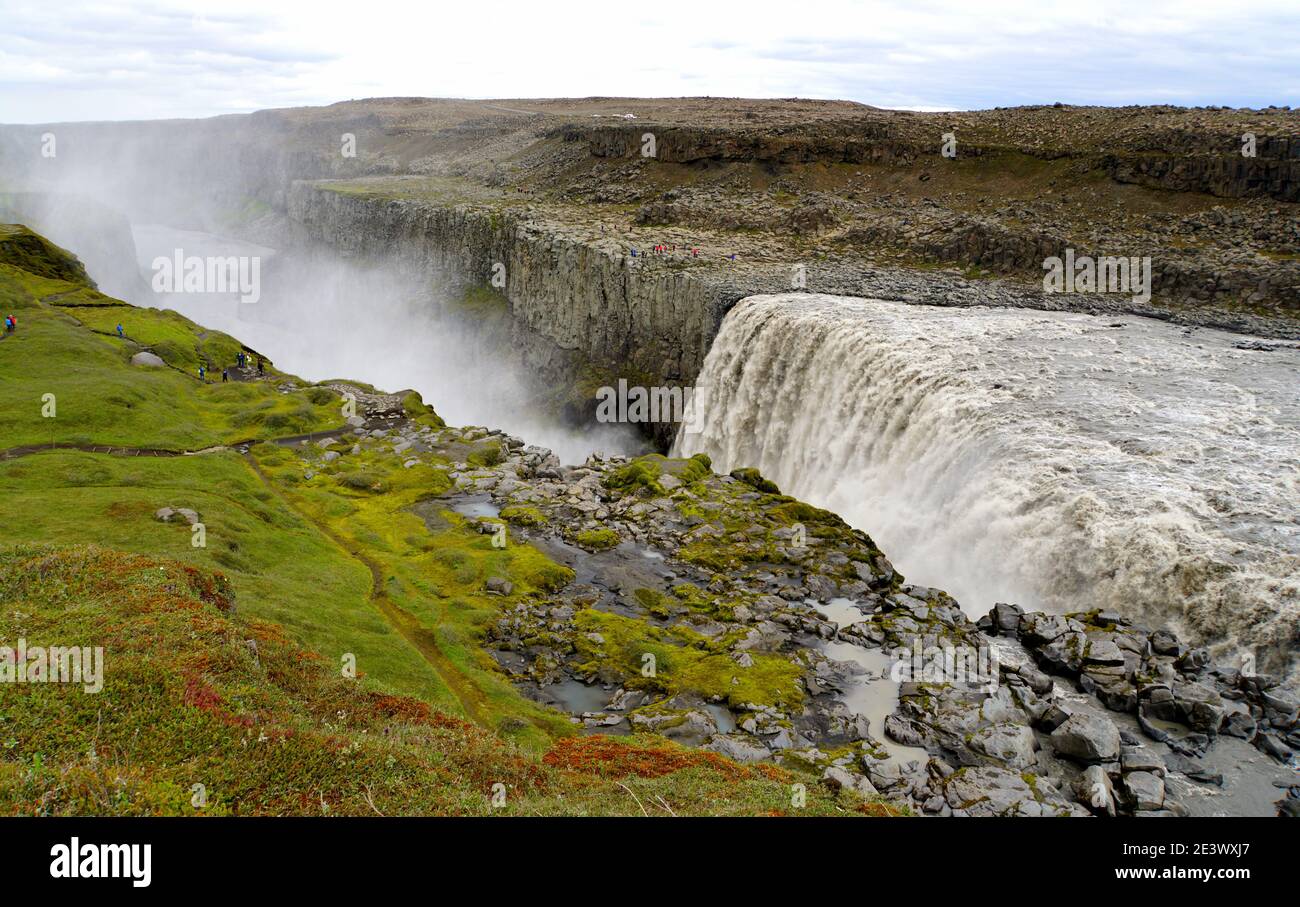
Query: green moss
{"points": [[683, 662], [523, 515], [27, 250], [415, 408], [639, 476], [654, 601], [753, 478], [596, 539], [486, 456]]}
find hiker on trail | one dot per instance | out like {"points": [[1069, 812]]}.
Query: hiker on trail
{"points": [[119, 331], [11, 323], [203, 374], [240, 358], [259, 365], [225, 375], [8, 327]]}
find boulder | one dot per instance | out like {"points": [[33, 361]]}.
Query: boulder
{"points": [[1087, 738], [1146, 790], [146, 359], [737, 747], [176, 514], [1013, 745], [499, 585], [838, 779], [1094, 790]]}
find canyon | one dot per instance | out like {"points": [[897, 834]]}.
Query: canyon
{"points": [[869, 320]]}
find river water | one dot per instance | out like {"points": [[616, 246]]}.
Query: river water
{"points": [[1059, 461]]}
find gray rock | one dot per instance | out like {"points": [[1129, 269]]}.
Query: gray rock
{"points": [[1145, 789], [1103, 651], [839, 779], [146, 359], [499, 585], [1165, 643], [1094, 790], [737, 747], [1087, 738], [694, 728], [1014, 745], [901, 730], [1141, 760], [175, 514], [1239, 724]]}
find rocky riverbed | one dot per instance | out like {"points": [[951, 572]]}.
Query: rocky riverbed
{"points": [[713, 610]]}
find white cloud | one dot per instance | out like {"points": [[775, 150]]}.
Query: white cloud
{"points": [[112, 60]]}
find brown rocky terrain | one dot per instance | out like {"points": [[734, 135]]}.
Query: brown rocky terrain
{"points": [[743, 192], [848, 191]]}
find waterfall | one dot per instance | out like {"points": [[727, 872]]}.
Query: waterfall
{"points": [[1059, 461]]}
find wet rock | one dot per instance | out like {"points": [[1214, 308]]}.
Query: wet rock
{"points": [[694, 728], [738, 747], [1145, 790], [1087, 738], [838, 779], [1064, 654], [1037, 629], [1271, 746], [1193, 662], [1103, 651], [1014, 745], [1094, 790], [624, 700], [1036, 680], [1193, 769], [991, 791], [1202, 707], [901, 730], [1165, 643], [1006, 617], [1141, 760], [1280, 711], [1053, 718]]}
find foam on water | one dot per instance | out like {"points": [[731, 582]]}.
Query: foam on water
{"points": [[1060, 461]]}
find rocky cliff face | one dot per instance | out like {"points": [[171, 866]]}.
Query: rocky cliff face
{"points": [[580, 313]]}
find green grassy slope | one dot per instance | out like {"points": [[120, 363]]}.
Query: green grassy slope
{"points": [[320, 566], [194, 695]]}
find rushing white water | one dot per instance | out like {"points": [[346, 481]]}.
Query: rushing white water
{"points": [[1060, 461]]}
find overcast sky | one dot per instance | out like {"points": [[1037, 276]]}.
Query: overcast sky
{"points": [[108, 60]]}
